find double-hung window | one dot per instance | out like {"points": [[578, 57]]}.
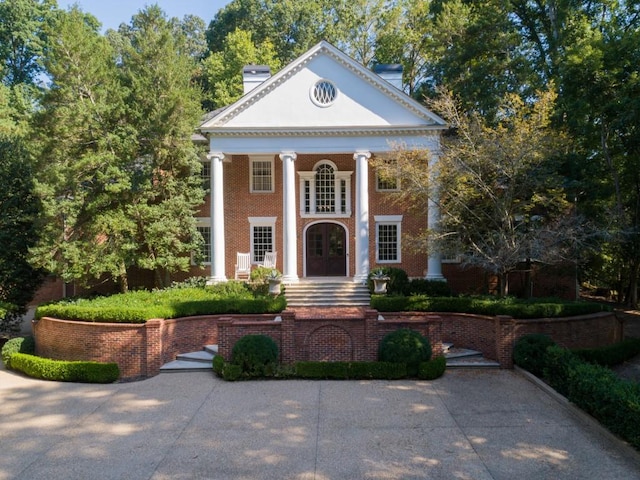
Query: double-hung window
{"points": [[261, 174], [388, 234], [204, 229], [263, 240]]}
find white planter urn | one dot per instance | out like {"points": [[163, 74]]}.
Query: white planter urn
{"points": [[380, 285]]}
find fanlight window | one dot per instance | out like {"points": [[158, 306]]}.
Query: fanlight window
{"points": [[325, 191]]}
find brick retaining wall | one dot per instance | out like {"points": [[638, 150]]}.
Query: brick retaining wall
{"points": [[141, 349]]}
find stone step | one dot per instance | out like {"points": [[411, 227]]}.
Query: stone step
{"points": [[327, 293], [466, 358], [192, 361]]}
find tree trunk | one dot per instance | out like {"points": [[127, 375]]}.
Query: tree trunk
{"points": [[123, 279]]}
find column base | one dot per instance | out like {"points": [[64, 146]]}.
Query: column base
{"points": [[436, 277], [214, 280], [290, 279]]}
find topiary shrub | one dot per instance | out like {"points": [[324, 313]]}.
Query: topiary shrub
{"points": [[530, 352], [405, 346], [432, 369], [17, 345], [255, 355]]}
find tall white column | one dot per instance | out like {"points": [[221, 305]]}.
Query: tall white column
{"points": [[362, 216], [217, 219], [290, 237], [434, 262]]}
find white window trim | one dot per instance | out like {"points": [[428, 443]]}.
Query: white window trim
{"points": [[261, 158], [262, 222], [339, 175], [378, 189], [389, 220], [204, 222]]}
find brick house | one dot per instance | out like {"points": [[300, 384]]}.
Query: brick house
{"points": [[288, 165]]}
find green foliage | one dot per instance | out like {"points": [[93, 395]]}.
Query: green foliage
{"points": [[615, 403], [218, 365], [398, 280], [350, 370], [65, 371], [19, 211], [611, 355], [530, 352], [17, 345], [141, 305], [231, 372], [431, 288], [517, 308], [255, 354], [432, 369], [405, 346]]}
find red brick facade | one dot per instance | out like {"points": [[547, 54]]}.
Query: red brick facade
{"points": [[140, 350]]}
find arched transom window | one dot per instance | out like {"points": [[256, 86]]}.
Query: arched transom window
{"points": [[325, 191]]}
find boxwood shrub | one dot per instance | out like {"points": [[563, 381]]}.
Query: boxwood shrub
{"points": [[350, 370], [17, 345], [256, 355], [432, 369], [63, 370], [611, 355], [530, 352], [405, 346], [614, 402], [539, 308]]}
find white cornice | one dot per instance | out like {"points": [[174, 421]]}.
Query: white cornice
{"points": [[325, 132]]}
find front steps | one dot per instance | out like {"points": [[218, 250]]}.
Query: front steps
{"points": [[465, 358], [326, 293], [201, 360], [192, 361]]}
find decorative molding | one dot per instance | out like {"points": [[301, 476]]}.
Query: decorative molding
{"points": [[335, 132], [223, 116]]}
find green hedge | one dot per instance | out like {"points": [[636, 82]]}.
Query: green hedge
{"points": [[63, 370], [432, 369], [615, 403], [17, 345], [611, 355], [350, 370], [140, 306], [486, 306]]}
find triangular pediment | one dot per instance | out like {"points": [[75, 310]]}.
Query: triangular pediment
{"points": [[323, 90]]}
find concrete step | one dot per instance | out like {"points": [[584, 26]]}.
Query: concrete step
{"points": [[192, 361], [466, 358]]}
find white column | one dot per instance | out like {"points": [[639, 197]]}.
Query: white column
{"points": [[217, 219], [290, 237], [434, 262], [362, 216]]}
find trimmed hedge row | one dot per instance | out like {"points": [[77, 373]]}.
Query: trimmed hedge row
{"points": [[486, 306], [612, 354], [140, 306], [65, 371], [615, 403], [17, 345]]}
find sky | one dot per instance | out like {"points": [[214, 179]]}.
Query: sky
{"points": [[111, 13]]}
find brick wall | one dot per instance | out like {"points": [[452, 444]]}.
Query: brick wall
{"points": [[141, 349]]}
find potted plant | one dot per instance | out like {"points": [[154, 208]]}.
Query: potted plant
{"points": [[274, 279], [380, 280]]}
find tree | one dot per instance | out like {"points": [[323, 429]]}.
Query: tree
{"points": [[501, 201], [223, 69], [163, 110], [19, 209], [83, 150]]}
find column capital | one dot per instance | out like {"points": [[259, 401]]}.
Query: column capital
{"points": [[212, 155], [291, 155], [362, 153]]}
